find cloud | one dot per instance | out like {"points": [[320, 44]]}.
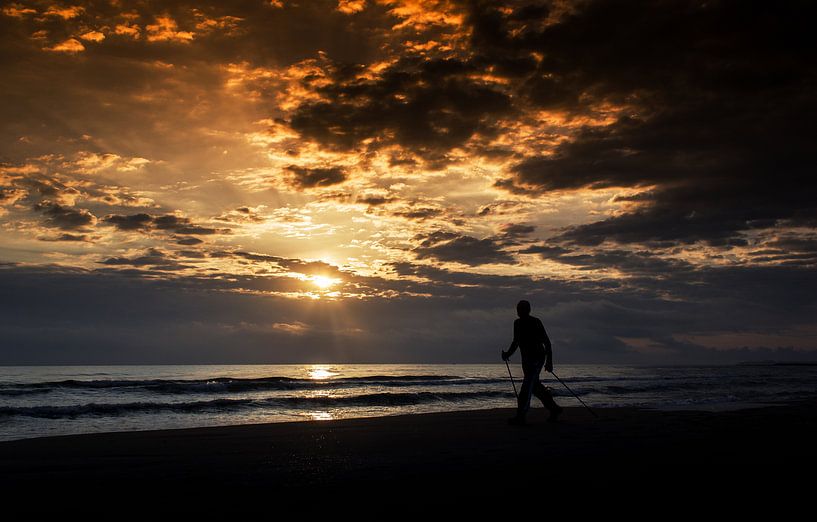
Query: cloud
{"points": [[50, 188], [189, 241], [305, 177], [374, 200], [66, 218], [453, 247], [17, 10], [65, 13], [66, 183], [93, 36], [183, 225], [10, 195], [130, 222], [715, 215], [170, 222], [165, 29], [351, 6], [192, 319], [294, 265], [709, 112], [71, 45], [419, 212], [126, 29], [427, 106], [154, 258], [94, 163], [641, 262], [641, 171], [243, 215], [67, 237], [517, 229], [151, 257]]}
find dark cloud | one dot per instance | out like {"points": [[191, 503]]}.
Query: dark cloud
{"points": [[188, 241], [151, 257], [46, 187], [450, 246], [795, 243], [716, 215], [428, 106], [242, 215], [789, 250], [500, 207], [419, 213], [303, 177], [641, 262], [295, 265], [67, 237], [546, 251], [517, 229], [183, 225], [7, 194], [598, 50], [169, 222], [374, 200], [154, 258], [717, 97], [401, 160], [130, 222], [191, 319], [64, 217]]}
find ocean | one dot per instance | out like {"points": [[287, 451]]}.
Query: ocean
{"points": [[38, 401]]}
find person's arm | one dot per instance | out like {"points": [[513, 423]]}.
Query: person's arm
{"points": [[514, 344], [548, 350]]}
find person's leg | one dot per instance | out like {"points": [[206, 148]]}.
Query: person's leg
{"points": [[544, 395], [523, 401], [531, 378]]}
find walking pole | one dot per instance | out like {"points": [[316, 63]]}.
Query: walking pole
{"points": [[512, 382], [574, 394]]}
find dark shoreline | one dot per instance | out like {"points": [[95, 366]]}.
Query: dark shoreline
{"points": [[474, 449]]}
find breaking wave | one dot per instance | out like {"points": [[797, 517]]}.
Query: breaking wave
{"points": [[229, 405]]}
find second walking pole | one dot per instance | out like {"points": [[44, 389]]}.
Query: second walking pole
{"points": [[512, 381], [574, 394]]}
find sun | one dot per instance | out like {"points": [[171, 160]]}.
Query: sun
{"points": [[323, 281]]}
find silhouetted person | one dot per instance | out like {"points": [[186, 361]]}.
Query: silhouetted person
{"points": [[530, 337]]}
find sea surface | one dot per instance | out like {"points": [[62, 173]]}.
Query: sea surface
{"points": [[37, 401]]}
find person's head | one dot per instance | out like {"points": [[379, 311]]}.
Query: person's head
{"points": [[523, 308]]}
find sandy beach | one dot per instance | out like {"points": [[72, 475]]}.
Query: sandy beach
{"points": [[430, 452]]}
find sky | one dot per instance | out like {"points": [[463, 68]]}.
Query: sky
{"points": [[255, 181]]}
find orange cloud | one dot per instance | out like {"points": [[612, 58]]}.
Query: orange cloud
{"points": [[93, 36], [66, 13], [18, 11], [421, 14], [351, 6], [128, 30], [167, 30], [71, 45], [91, 163], [228, 24]]}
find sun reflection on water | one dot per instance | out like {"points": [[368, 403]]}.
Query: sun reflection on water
{"points": [[321, 415], [318, 372]]}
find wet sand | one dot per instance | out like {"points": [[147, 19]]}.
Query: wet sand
{"points": [[475, 451]]}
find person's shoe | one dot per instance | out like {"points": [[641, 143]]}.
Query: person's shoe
{"points": [[516, 421], [554, 414]]}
